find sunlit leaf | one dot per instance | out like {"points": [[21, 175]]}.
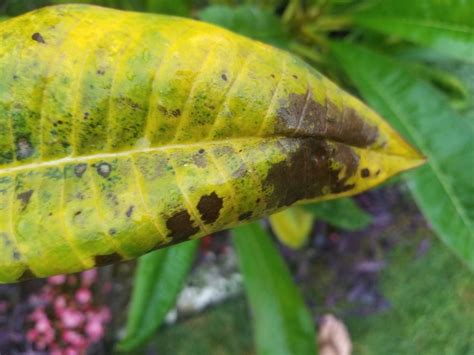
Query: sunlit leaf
{"points": [[114, 143], [443, 188], [343, 213], [292, 226], [283, 324], [159, 278], [445, 25]]}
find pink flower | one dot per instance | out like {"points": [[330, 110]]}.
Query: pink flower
{"points": [[71, 318], [74, 338], [70, 351], [57, 280], [83, 296], [60, 304], [89, 277], [43, 325], [95, 330]]}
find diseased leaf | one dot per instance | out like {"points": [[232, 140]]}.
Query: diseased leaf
{"points": [[115, 142], [343, 213], [443, 188], [283, 324], [159, 278], [292, 226], [445, 25]]}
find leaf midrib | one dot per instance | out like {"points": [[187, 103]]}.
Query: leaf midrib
{"points": [[8, 169]]}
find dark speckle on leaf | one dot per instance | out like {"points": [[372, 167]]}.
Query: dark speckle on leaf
{"points": [[224, 77], [209, 207], [130, 211], [80, 169], [365, 173], [25, 198], [38, 38], [181, 226], [244, 216]]}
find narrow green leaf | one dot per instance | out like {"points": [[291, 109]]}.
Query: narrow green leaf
{"points": [[444, 187], [445, 25], [249, 21], [159, 278], [343, 213], [292, 226], [283, 324]]}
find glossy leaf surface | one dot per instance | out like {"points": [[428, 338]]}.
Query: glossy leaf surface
{"points": [[443, 188], [283, 324], [115, 142], [444, 25], [159, 278], [292, 226]]}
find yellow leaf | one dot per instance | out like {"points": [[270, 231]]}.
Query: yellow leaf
{"points": [[292, 226], [123, 132]]}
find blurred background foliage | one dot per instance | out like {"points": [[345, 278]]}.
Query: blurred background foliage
{"points": [[413, 61]]}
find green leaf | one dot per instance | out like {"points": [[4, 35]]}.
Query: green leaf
{"points": [[169, 7], [445, 25], [159, 278], [249, 21], [443, 188], [283, 324], [292, 226], [343, 213]]}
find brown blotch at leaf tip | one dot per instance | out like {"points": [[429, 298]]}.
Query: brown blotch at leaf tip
{"points": [[209, 207]]}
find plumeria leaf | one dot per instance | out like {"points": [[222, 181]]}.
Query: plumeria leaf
{"points": [[283, 324], [343, 213], [443, 188], [159, 278], [114, 143], [445, 25]]}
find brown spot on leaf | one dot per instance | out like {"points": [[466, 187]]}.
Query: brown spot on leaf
{"points": [[101, 260], [24, 149], [104, 169], [176, 113], [302, 116], [365, 173], [25, 198], [209, 207], [200, 159], [224, 77], [28, 274], [80, 169], [312, 168], [38, 38], [181, 226]]}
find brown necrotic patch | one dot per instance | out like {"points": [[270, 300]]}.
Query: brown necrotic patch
{"points": [[209, 207], [101, 260], [244, 216], [301, 115], [365, 173], [312, 168], [181, 226]]}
